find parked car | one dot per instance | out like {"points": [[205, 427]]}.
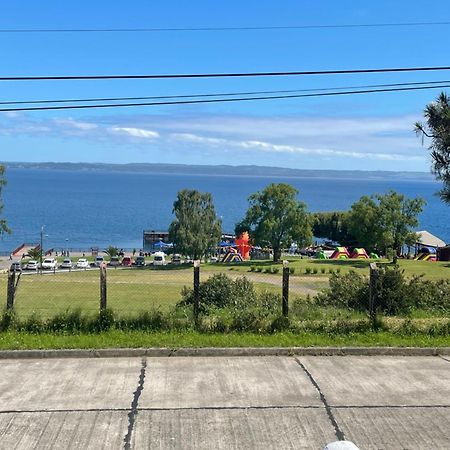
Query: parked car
{"points": [[127, 261], [32, 265], [139, 261], [16, 267], [66, 264], [82, 263], [49, 263], [99, 260], [114, 261], [176, 259], [159, 259]]}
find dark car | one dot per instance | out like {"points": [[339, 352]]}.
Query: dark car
{"points": [[140, 261], [16, 267]]}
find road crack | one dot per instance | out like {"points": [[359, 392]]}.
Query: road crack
{"points": [[134, 406], [337, 430]]}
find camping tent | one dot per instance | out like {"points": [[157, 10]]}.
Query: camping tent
{"points": [[231, 256]]}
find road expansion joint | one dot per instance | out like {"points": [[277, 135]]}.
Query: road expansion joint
{"points": [[339, 433], [134, 405]]}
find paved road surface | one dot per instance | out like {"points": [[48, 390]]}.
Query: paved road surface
{"points": [[225, 403]]}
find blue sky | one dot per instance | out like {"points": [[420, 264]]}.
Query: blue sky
{"points": [[358, 132]]}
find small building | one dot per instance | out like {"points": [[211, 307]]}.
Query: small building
{"points": [[150, 238]]}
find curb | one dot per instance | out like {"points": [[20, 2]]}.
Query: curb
{"points": [[221, 351]]}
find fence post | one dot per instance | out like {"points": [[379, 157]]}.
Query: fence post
{"points": [[373, 291], [196, 290], [285, 290], [11, 289], [102, 287]]}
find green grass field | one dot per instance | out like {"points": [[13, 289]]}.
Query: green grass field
{"points": [[133, 290]]}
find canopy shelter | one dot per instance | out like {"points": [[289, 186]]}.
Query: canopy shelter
{"points": [[429, 240], [162, 245]]}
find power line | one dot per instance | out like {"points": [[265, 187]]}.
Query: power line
{"points": [[220, 94], [222, 100], [243, 28], [223, 75]]}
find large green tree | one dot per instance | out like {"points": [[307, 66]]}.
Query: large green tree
{"points": [[3, 224], [196, 228], [276, 218], [385, 222], [334, 226], [437, 129]]}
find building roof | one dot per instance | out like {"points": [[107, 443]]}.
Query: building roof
{"points": [[426, 238]]}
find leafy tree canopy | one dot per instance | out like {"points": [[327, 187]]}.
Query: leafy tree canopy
{"points": [[111, 251], [334, 226], [276, 218], [383, 222], [196, 228], [437, 129]]}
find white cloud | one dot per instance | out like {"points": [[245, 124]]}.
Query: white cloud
{"points": [[282, 148], [136, 132], [76, 124]]}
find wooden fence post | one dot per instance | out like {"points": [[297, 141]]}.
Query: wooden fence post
{"points": [[196, 290], [102, 287], [11, 290], [373, 291], [285, 289]]}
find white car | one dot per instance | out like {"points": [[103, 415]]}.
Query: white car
{"points": [[159, 259], [82, 263], [66, 264], [99, 260], [32, 265], [49, 263]]}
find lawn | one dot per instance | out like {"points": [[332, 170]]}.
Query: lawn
{"points": [[133, 290]]}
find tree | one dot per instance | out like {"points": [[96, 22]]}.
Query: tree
{"points": [[437, 128], [276, 218], [111, 251], [3, 224], [196, 228], [334, 226], [385, 222], [35, 253]]}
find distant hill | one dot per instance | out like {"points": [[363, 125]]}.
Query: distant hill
{"points": [[223, 170]]}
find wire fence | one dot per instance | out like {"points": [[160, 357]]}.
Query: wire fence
{"points": [[129, 290]]}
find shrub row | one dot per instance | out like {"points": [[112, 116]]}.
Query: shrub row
{"points": [[396, 294]]}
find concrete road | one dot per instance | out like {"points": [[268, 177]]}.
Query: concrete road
{"points": [[225, 403]]}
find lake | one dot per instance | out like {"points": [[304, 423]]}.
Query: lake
{"points": [[81, 209]]}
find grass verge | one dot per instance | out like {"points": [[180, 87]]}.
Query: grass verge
{"points": [[13, 340]]}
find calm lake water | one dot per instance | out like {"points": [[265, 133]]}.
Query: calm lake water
{"points": [[102, 208]]}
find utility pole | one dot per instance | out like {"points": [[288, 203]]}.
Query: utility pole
{"points": [[42, 241]]}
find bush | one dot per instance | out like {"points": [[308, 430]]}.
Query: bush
{"points": [[330, 270], [268, 270], [259, 269], [275, 269], [308, 270], [292, 270], [396, 295], [315, 270], [322, 270], [252, 268], [220, 291]]}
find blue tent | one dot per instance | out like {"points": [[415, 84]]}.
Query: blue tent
{"points": [[162, 245], [226, 244]]}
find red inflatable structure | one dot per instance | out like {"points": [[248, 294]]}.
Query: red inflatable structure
{"points": [[243, 244]]}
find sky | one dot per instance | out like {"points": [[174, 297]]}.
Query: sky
{"points": [[360, 132]]}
